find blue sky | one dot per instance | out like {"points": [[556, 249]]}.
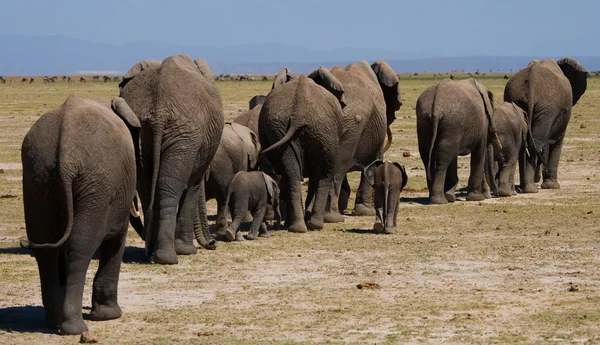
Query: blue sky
{"points": [[428, 27]]}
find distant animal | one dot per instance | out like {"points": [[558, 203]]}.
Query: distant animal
{"points": [[116, 78], [388, 179], [64, 78], [252, 191], [24, 80], [452, 76], [82, 80], [244, 77], [505, 76], [31, 80], [264, 78], [78, 185], [2, 80], [68, 79], [96, 77], [106, 78]]}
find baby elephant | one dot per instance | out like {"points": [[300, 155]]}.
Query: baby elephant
{"points": [[388, 179], [252, 191]]}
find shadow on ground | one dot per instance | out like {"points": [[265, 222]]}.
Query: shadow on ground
{"points": [[24, 319]]}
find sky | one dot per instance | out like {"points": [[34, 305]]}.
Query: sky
{"points": [[424, 27]]}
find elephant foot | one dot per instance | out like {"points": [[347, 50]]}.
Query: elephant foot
{"points": [[361, 210], [389, 231], [298, 227], [378, 227], [230, 234], [165, 257], [221, 228], [487, 194], [550, 184], [438, 199], [475, 196], [333, 217], [105, 312], [506, 192], [450, 197], [252, 237], [264, 234], [72, 327], [239, 237], [314, 224], [184, 247], [528, 188]]}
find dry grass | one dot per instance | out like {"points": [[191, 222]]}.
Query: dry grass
{"points": [[520, 270]]}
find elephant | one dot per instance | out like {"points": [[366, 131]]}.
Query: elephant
{"points": [[181, 114], [79, 176], [237, 151], [372, 95], [512, 131], [249, 118], [456, 118], [300, 130], [256, 192], [546, 90], [388, 179]]}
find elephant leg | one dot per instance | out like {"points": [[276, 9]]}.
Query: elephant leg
{"points": [[332, 209], [475, 185], [310, 196], [106, 281], [263, 231], [317, 216], [344, 196], [550, 172], [451, 180], [238, 212], [505, 181], [184, 233], [51, 266], [363, 206], [512, 179], [438, 192], [222, 221], [527, 166], [89, 228], [392, 212], [292, 179], [258, 215]]}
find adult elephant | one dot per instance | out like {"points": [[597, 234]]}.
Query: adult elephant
{"points": [[455, 118], [249, 118], [372, 95], [547, 91], [237, 151], [79, 175], [300, 127], [181, 114]]}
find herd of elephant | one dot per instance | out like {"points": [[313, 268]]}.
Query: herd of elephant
{"points": [[164, 142]]}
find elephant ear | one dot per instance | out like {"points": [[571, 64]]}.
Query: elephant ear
{"points": [[204, 69], [326, 79], [120, 107], [137, 69], [404, 176], [370, 170], [270, 190], [256, 100], [577, 75], [390, 85], [281, 78]]}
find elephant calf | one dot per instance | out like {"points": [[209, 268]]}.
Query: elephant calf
{"points": [[79, 176], [388, 179], [512, 131], [252, 191]]}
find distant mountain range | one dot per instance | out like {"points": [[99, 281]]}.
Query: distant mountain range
{"points": [[61, 55]]}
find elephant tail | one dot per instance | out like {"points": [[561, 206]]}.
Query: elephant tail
{"points": [[68, 194], [286, 138], [389, 139], [436, 123]]}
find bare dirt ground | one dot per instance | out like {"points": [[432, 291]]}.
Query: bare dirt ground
{"points": [[519, 270]]}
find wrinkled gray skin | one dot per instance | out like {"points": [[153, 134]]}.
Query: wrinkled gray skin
{"points": [[454, 118], [372, 96], [300, 130], [181, 114], [512, 129], [388, 179], [252, 191], [237, 151], [546, 91], [79, 174]]}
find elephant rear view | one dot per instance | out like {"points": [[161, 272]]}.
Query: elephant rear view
{"points": [[547, 91], [300, 130], [79, 167], [181, 114], [455, 118]]}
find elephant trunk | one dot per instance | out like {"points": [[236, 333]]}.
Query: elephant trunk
{"points": [[489, 169], [134, 218], [201, 230]]}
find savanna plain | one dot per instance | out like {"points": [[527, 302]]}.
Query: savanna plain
{"points": [[522, 270]]}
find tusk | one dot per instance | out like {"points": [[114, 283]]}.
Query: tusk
{"points": [[207, 175], [498, 141], [133, 211], [527, 151]]}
